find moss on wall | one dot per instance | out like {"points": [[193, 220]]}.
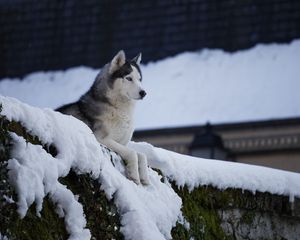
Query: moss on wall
{"points": [[200, 212], [236, 214]]}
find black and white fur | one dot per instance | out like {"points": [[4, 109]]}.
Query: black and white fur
{"points": [[107, 108]]}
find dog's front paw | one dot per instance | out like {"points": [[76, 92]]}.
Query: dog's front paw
{"points": [[136, 180], [145, 182], [131, 164], [143, 169]]}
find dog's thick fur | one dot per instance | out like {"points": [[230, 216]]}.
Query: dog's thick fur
{"points": [[107, 108]]}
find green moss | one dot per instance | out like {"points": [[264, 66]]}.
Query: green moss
{"points": [[198, 209], [49, 226], [203, 205], [181, 232]]}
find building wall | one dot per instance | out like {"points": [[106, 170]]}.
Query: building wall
{"points": [[56, 34], [286, 160]]}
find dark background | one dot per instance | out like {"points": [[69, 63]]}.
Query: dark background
{"points": [[56, 34]]}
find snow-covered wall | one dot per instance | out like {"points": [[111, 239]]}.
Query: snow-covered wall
{"points": [[187, 198]]}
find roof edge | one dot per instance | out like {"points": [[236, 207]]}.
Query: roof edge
{"points": [[218, 127]]}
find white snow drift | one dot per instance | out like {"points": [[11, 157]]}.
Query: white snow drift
{"points": [[146, 212], [190, 88]]}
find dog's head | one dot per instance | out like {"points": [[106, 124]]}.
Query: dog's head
{"points": [[126, 77]]}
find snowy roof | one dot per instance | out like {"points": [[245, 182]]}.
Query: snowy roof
{"points": [[191, 88]]}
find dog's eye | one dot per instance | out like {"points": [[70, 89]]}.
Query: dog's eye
{"points": [[129, 79]]}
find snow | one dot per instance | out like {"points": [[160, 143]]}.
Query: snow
{"points": [[193, 172], [35, 175], [191, 88], [147, 212]]}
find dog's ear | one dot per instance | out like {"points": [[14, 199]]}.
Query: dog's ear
{"points": [[118, 61], [137, 59]]}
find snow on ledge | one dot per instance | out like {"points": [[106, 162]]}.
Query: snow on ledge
{"points": [[146, 213], [194, 172]]}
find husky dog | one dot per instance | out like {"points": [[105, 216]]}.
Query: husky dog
{"points": [[107, 108]]}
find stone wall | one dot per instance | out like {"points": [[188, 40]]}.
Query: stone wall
{"points": [[236, 214], [53, 34]]}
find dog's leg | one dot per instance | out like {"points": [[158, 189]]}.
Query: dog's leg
{"points": [[129, 156], [143, 169]]}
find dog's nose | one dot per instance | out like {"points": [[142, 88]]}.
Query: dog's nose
{"points": [[142, 94]]}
